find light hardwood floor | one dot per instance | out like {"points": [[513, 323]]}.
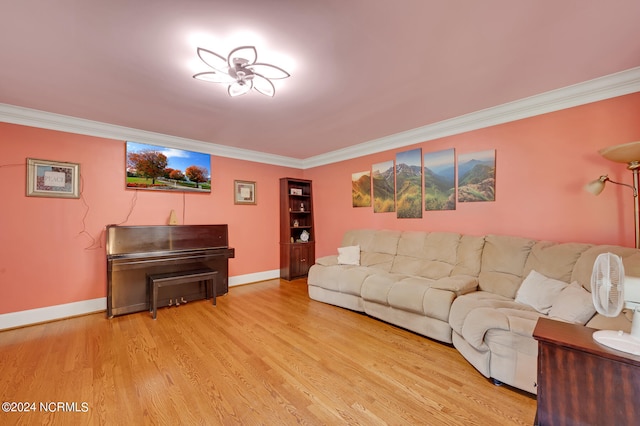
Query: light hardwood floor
{"points": [[265, 355]]}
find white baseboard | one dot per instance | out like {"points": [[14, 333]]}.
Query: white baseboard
{"points": [[252, 278], [51, 313]]}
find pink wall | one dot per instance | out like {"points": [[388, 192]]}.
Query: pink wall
{"points": [[542, 164], [52, 250]]}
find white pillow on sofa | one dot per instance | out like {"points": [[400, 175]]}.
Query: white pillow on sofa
{"points": [[539, 291], [573, 304], [349, 255]]}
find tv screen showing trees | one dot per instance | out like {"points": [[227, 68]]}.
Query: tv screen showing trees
{"points": [[167, 169]]}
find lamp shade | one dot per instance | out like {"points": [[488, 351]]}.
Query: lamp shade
{"points": [[597, 186], [623, 153]]}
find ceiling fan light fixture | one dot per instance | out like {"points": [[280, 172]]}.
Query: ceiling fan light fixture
{"points": [[263, 85], [239, 88], [214, 77], [213, 60], [245, 53], [241, 71], [269, 71]]}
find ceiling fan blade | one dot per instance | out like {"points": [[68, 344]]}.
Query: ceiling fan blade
{"points": [[237, 89], [269, 71], [244, 52], [263, 85], [214, 60], [214, 77]]}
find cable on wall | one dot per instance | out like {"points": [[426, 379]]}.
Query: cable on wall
{"points": [[95, 242], [11, 165], [134, 200]]}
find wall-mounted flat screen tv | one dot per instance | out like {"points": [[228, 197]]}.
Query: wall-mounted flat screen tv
{"points": [[159, 168]]}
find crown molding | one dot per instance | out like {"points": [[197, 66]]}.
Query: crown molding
{"points": [[47, 120], [610, 86]]}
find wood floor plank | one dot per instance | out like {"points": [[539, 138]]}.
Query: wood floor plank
{"points": [[265, 355]]}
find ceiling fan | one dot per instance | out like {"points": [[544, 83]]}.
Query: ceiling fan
{"points": [[240, 71]]}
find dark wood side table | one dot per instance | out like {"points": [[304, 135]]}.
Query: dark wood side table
{"points": [[581, 382]]}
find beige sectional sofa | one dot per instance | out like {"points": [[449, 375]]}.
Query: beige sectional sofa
{"points": [[483, 294]]}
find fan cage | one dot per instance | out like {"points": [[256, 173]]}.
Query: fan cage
{"points": [[607, 284]]}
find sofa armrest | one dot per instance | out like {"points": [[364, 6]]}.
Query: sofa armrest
{"points": [[523, 322], [514, 320], [478, 322], [459, 284], [328, 260]]}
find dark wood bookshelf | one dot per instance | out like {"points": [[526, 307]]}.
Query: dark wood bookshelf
{"points": [[297, 252]]}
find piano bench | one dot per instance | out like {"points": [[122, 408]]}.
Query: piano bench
{"points": [[157, 281]]}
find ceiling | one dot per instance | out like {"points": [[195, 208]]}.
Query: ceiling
{"points": [[360, 69]]}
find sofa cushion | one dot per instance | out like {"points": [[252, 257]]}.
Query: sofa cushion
{"points": [[381, 261], [437, 304], [539, 291], [412, 243], [417, 295], [361, 237], [330, 260], [408, 265], [341, 278], [385, 241], [554, 260], [349, 255], [408, 294], [503, 260], [457, 284], [469, 256], [430, 255], [573, 304], [377, 247], [376, 288], [584, 265]]}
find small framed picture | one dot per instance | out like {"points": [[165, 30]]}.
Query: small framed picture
{"points": [[52, 179], [296, 191], [244, 192]]}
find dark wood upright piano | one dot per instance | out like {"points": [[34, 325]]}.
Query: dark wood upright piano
{"points": [[134, 252]]}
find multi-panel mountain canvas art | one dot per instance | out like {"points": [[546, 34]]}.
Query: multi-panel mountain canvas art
{"points": [[383, 187], [397, 186], [361, 189], [477, 176], [409, 183], [440, 180]]}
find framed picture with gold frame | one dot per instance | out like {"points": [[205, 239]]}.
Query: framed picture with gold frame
{"points": [[244, 192]]}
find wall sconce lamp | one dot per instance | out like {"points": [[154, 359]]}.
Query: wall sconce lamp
{"points": [[629, 154]]}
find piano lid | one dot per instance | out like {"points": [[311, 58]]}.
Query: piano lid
{"points": [[123, 240]]}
